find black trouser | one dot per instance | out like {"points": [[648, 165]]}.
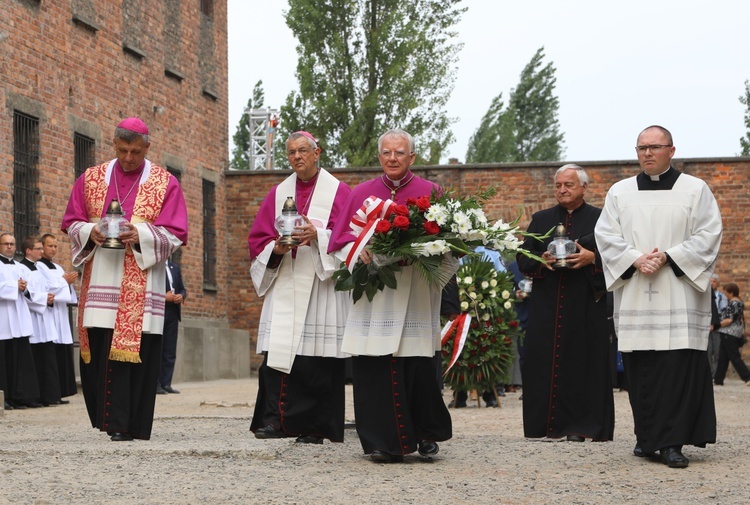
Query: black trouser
{"points": [[730, 351]]}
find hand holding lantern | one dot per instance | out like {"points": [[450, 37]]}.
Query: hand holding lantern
{"points": [[561, 246], [287, 221], [112, 225]]}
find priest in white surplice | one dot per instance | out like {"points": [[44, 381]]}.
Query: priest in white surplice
{"points": [[60, 284], [301, 380], [43, 336], [17, 372], [659, 236]]}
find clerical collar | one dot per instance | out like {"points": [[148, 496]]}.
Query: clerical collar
{"points": [[138, 170], [657, 177], [30, 264], [394, 186], [7, 261], [48, 263], [309, 181]]}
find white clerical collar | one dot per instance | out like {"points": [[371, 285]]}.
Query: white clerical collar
{"points": [[657, 177], [398, 182]]}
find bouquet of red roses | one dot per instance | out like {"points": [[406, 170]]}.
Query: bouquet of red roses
{"points": [[424, 233]]}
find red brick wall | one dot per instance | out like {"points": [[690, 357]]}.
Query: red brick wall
{"points": [[76, 79], [525, 188]]}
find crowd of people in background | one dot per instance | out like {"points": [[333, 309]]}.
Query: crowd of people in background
{"points": [[36, 343]]}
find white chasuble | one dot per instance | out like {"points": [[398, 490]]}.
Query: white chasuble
{"points": [[660, 311]]}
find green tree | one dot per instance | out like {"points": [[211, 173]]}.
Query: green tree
{"points": [[241, 137], [369, 65], [528, 128], [745, 141], [492, 140]]}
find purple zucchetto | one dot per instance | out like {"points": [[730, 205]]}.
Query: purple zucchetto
{"points": [[134, 124]]}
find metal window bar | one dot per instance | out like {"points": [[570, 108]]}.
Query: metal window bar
{"points": [[207, 8], [84, 152], [209, 233], [176, 173], [25, 175], [177, 255]]}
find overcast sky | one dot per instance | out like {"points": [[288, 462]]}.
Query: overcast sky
{"points": [[621, 66]]}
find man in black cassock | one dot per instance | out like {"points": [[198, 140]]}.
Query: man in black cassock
{"points": [[566, 371]]}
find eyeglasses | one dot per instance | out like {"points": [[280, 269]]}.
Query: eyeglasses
{"points": [[302, 152], [38, 249], [654, 148], [397, 154]]}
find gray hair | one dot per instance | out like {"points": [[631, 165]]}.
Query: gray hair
{"points": [[295, 136], [129, 136], [397, 132], [583, 178]]}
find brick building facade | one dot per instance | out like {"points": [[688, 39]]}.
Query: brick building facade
{"points": [[69, 72], [522, 188]]}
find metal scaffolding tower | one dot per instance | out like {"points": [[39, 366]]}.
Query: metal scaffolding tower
{"points": [[262, 124]]}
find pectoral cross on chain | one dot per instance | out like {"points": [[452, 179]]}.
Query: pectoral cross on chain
{"points": [[650, 291]]}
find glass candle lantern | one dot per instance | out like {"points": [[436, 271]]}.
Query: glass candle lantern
{"points": [[561, 246], [112, 225], [287, 221]]}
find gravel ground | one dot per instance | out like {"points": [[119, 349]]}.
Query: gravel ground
{"points": [[201, 452]]}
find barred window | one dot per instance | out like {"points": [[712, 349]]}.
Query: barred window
{"points": [[177, 173], [25, 175], [209, 234], [84, 152], [177, 255], [207, 8]]}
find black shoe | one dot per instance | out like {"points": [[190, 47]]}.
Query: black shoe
{"points": [[673, 457], [63, 402], [637, 451], [427, 448], [575, 438], [454, 405], [491, 403], [120, 437], [160, 390], [309, 439], [170, 389], [7, 406], [269, 432], [384, 457], [33, 405]]}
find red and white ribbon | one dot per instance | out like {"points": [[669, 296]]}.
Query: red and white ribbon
{"points": [[363, 223], [457, 330]]}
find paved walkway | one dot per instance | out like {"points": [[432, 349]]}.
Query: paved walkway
{"points": [[202, 452]]}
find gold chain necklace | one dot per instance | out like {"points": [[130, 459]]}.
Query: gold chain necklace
{"points": [[394, 189]]}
